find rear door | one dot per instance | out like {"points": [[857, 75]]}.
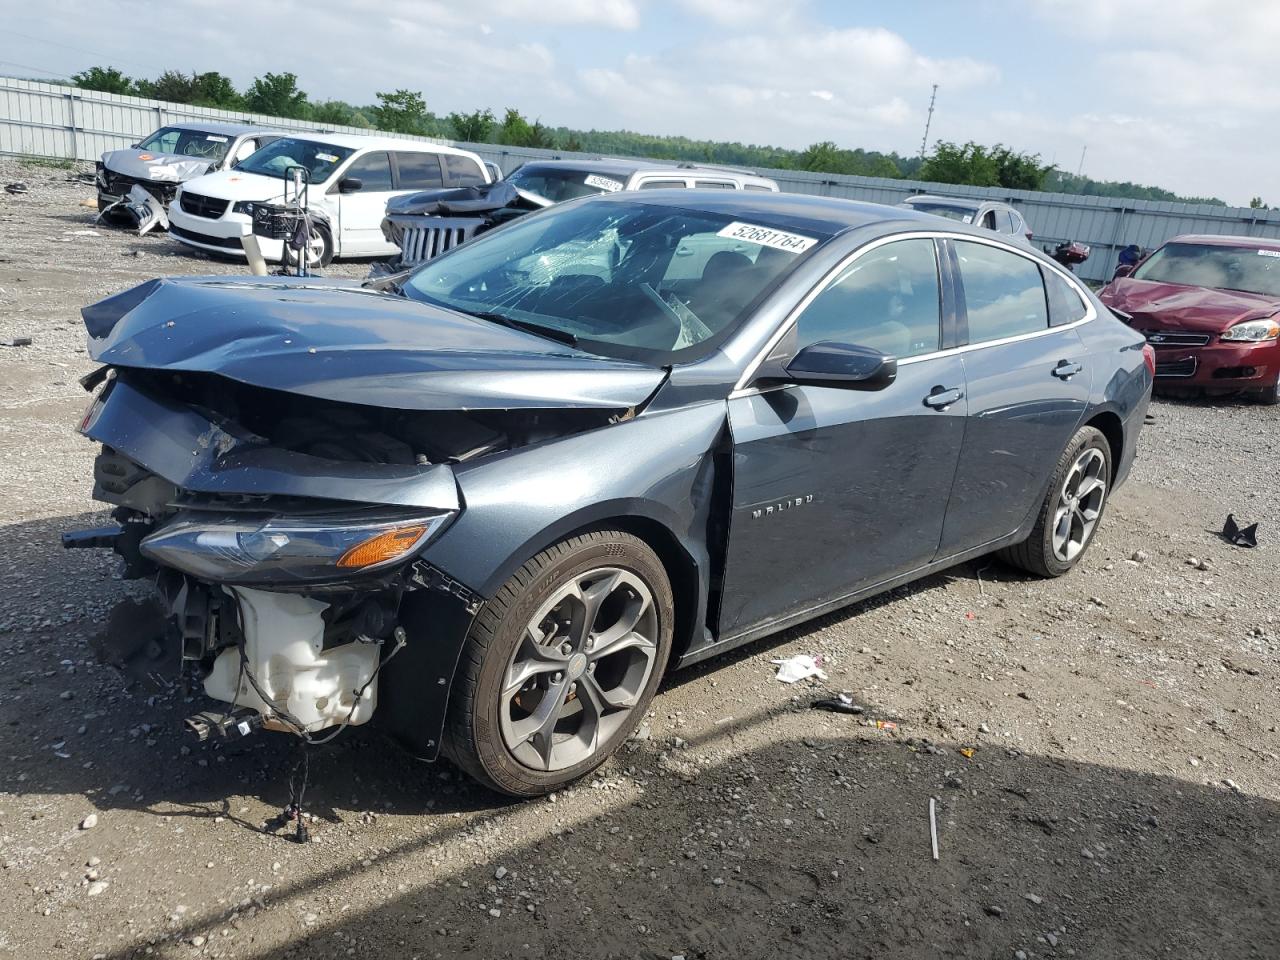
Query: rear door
{"points": [[1028, 382], [361, 211], [837, 490]]}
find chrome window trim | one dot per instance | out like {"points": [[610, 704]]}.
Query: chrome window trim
{"points": [[1090, 314]]}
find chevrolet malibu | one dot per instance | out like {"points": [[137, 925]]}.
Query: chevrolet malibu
{"points": [[497, 499], [1211, 308]]}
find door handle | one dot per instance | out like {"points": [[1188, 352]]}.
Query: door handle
{"points": [[1066, 369], [942, 397]]}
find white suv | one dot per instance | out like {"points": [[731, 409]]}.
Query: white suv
{"points": [[351, 180]]}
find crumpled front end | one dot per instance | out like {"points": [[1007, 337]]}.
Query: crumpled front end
{"points": [[284, 499]]}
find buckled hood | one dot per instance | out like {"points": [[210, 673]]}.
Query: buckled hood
{"points": [[1173, 306], [336, 340], [157, 167]]}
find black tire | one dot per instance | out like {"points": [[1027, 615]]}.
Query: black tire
{"points": [[473, 738], [1269, 396], [326, 255], [1036, 554]]}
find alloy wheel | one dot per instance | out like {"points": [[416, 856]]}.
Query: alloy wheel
{"points": [[1079, 504], [579, 669]]}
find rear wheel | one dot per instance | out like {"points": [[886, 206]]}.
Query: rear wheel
{"points": [[561, 664], [1072, 509]]}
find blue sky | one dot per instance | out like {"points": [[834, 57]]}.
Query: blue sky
{"points": [[1176, 93]]}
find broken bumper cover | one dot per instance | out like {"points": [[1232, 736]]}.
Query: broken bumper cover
{"points": [[1218, 365]]}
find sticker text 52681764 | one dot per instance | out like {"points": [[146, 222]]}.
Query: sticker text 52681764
{"points": [[767, 237]]}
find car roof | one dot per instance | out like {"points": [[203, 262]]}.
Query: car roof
{"points": [[1223, 240], [231, 129], [966, 203], [359, 141], [827, 214], [618, 167]]}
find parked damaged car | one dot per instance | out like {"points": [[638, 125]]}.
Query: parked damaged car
{"points": [[1210, 306], [491, 504], [981, 212], [136, 185], [427, 224]]}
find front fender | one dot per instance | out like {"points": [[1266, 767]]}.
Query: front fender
{"points": [[657, 467]]}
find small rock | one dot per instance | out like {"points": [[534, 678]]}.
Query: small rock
{"points": [[66, 695], [495, 912], [499, 873], [1019, 955], [1033, 898], [197, 941], [983, 728], [97, 887], [93, 861], [1139, 556], [89, 822], [718, 881], [994, 910], [1052, 938], [1086, 853]]}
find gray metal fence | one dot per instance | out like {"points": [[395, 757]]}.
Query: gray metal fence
{"points": [[49, 120]]}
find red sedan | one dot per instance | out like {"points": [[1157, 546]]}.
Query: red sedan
{"points": [[1209, 306]]}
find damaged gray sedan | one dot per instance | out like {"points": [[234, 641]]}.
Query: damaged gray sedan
{"points": [[490, 503]]}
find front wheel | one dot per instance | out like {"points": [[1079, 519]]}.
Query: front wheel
{"points": [[1270, 396], [1072, 509], [319, 249], [561, 665]]}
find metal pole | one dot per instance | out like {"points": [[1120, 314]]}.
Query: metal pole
{"points": [[928, 120], [1083, 151]]}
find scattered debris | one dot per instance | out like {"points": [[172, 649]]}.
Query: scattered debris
{"points": [[885, 725], [1139, 556], [800, 667], [841, 703], [17, 342], [16, 187], [89, 822], [967, 752], [1233, 533], [933, 826]]}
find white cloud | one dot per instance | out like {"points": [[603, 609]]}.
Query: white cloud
{"points": [[731, 13], [790, 87]]}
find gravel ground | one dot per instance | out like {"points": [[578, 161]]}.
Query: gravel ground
{"points": [[1102, 749]]}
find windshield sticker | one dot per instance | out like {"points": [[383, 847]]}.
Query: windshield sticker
{"points": [[327, 157], [215, 138], [767, 237], [967, 218], [606, 184], [1269, 253]]}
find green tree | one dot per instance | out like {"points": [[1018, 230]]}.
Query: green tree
{"points": [[541, 137], [172, 85], [338, 113], [473, 127], [277, 95], [515, 130], [213, 89], [402, 112], [821, 157], [1019, 171], [571, 143], [970, 164], [106, 79], [1257, 203]]}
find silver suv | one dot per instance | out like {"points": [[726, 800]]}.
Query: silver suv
{"points": [[991, 214], [560, 180]]}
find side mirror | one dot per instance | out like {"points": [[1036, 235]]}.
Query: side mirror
{"points": [[1123, 270], [830, 364], [350, 185]]}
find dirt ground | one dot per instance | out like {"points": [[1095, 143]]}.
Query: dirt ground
{"points": [[1102, 749]]}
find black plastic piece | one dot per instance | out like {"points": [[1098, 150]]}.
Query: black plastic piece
{"points": [[93, 538]]}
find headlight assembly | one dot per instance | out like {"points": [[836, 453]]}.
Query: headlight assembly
{"points": [[314, 549], [1253, 331], [243, 206]]}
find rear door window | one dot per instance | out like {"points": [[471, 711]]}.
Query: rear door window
{"points": [[373, 170], [886, 299], [1003, 293], [419, 171], [462, 171], [1065, 304], [713, 184], [662, 185]]}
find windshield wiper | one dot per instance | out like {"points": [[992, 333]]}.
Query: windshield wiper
{"points": [[551, 333]]}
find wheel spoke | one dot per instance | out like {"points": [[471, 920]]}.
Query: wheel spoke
{"points": [[609, 643], [539, 727], [532, 659]]}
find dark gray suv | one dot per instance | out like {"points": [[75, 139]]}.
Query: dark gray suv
{"points": [[495, 502]]}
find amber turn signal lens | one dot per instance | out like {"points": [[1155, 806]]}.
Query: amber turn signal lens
{"points": [[383, 547]]}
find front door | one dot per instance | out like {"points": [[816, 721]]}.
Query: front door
{"points": [[360, 211], [835, 490], [1028, 380]]}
